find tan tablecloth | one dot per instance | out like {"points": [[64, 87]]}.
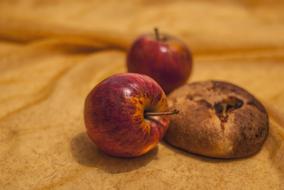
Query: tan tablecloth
{"points": [[53, 52]]}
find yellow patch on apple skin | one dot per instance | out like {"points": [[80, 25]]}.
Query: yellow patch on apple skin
{"points": [[139, 112], [175, 45], [138, 102], [148, 148], [142, 104], [163, 104], [146, 127]]}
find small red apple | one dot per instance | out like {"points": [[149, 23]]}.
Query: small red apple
{"points": [[163, 57], [125, 114]]}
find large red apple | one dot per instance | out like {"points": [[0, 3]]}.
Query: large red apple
{"points": [[125, 114], [163, 57]]}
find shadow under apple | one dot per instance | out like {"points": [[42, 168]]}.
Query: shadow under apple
{"points": [[86, 153]]}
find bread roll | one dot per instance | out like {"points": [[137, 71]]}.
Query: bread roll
{"points": [[217, 119]]}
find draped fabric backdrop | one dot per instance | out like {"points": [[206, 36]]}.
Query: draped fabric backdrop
{"points": [[52, 53]]}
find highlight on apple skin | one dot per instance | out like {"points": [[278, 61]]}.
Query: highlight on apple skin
{"points": [[163, 57], [126, 114]]}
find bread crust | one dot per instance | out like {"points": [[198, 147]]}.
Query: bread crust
{"points": [[217, 119]]}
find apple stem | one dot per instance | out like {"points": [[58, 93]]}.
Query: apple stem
{"points": [[147, 114], [157, 34]]}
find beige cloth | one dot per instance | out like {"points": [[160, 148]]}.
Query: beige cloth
{"points": [[53, 52]]}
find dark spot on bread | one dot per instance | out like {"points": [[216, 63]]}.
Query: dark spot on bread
{"points": [[224, 107]]}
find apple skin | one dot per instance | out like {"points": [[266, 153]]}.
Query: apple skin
{"points": [[166, 59], [114, 115]]}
